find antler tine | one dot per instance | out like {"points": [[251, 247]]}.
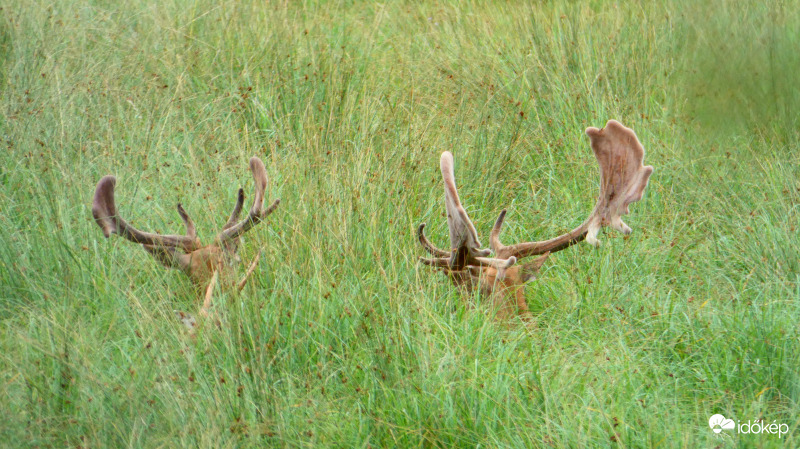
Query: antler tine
{"points": [[433, 250], [257, 212], [444, 262], [237, 209], [187, 221], [168, 255], [494, 238], [439, 262], [105, 214], [623, 180]]}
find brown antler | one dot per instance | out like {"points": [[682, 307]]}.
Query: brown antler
{"points": [[105, 214], [232, 230], [237, 209], [184, 251], [465, 248], [623, 180]]}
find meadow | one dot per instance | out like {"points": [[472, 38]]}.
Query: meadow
{"points": [[342, 339]]}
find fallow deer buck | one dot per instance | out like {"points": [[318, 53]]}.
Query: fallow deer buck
{"points": [[623, 180], [203, 264]]}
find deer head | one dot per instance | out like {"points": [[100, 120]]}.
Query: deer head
{"points": [[201, 263], [623, 180]]}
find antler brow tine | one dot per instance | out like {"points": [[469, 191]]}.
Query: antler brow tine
{"points": [[433, 250]]}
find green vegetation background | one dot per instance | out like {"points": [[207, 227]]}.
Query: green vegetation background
{"points": [[342, 339]]}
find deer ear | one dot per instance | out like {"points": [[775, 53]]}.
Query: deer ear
{"points": [[530, 270]]}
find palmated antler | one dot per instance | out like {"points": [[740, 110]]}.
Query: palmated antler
{"points": [[184, 252], [623, 179]]}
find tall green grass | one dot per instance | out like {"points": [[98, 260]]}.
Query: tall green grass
{"points": [[342, 339]]}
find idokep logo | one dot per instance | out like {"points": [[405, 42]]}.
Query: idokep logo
{"points": [[718, 423]]}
